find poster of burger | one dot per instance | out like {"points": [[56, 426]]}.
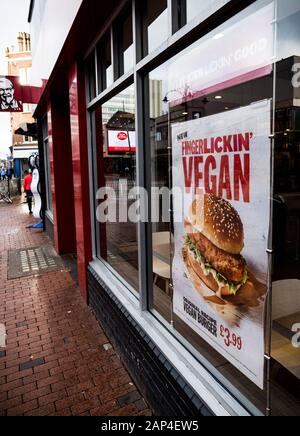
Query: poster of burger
{"points": [[222, 165]]}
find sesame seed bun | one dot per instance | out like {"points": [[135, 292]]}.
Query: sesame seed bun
{"points": [[218, 221]]}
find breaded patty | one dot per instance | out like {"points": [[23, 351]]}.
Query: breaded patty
{"points": [[230, 265]]}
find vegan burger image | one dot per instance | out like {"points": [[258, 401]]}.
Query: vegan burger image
{"points": [[213, 245]]}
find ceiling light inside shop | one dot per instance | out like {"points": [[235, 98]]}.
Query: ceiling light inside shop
{"points": [[218, 97], [185, 113]]}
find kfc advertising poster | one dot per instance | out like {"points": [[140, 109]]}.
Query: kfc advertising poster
{"points": [[222, 163], [10, 94]]}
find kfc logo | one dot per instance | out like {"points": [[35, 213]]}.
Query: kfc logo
{"points": [[122, 136]]}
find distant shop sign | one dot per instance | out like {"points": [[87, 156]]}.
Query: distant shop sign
{"points": [[10, 94]]}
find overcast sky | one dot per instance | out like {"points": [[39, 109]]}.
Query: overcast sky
{"points": [[14, 14]]}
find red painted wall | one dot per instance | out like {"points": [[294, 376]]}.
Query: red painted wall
{"points": [[62, 173], [80, 173]]}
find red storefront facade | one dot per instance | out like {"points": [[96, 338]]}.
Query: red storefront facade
{"points": [[69, 162], [131, 69]]}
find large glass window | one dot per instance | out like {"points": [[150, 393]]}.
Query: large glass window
{"points": [[127, 49], [49, 205], [116, 162], [48, 177], [285, 364], [105, 67], [202, 103]]}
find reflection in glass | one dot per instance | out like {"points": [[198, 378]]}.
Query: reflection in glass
{"points": [[116, 155], [156, 24], [91, 73], [47, 163]]}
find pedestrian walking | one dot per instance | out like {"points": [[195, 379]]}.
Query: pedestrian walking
{"points": [[27, 189]]}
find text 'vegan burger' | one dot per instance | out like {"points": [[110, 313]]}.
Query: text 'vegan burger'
{"points": [[213, 245]]}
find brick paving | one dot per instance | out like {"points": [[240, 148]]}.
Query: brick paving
{"points": [[57, 360]]}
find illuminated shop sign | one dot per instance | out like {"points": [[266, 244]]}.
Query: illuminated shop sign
{"points": [[222, 165], [121, 141]]}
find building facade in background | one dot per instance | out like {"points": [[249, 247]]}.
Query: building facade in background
{"points": [[202, 299], [19, 64]]}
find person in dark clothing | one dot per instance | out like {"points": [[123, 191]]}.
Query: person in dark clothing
{"points": [[27, 189]]}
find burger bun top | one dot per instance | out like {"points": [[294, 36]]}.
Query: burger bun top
{"points": [[218, 221]]}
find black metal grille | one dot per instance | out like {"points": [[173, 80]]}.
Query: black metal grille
{"points": [[33, 261]]}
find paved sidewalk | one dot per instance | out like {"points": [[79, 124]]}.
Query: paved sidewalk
{"points": [[57, 360]]}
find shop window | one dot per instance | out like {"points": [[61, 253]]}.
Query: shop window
{"points": [[211, 119], [285, 363], [24, 76], [105, 66], [155, 24], [213, 125], [91, 76], [203, 8], [124, 56], [116, 166], [49, 206], [27, 108], [185, 11]]}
